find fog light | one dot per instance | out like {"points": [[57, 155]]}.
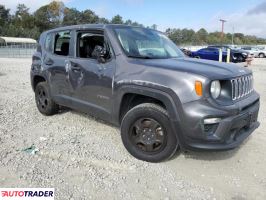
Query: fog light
{"points": [[212, 121]]}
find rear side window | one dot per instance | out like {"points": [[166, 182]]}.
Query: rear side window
{"points": [[206, 49], [212, 50], [61, 44]]}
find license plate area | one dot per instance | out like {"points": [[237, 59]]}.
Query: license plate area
{"points": [[244, 121]]}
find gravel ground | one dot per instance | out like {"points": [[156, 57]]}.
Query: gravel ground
{"points": [[83, 158]]}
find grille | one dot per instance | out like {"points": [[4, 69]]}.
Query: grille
{"points": [[241, 86]]}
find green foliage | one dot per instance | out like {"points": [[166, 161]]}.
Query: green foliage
{"points": [[202, 37], [50, 16], [117, 20], [71, 16], [89, 17], [4, 15], [25, 24]]}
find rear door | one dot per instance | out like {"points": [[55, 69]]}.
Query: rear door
{"points": [[214, 54], [203, 53], [57, 51], [209, 54]]}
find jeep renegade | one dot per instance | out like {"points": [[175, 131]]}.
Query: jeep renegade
{"points": [[139, 80]]}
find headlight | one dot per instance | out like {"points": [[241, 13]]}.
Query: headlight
{"points": [[215, 89]]}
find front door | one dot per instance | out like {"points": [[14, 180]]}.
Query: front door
{"points": [[90, 81]]}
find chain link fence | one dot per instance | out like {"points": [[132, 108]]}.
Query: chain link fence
{"points": [[17, 51]]}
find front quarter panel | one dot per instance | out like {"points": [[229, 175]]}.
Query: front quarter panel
{"points": [[172, 87], [182, 84]]}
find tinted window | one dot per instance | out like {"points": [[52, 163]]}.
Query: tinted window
{"points": [[61, 45], [203, 49], [213, 49], [209, 49]]}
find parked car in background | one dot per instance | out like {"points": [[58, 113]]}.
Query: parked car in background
{"points": [[186, 52], [255, 51], [237, 55], [212, 53], [209, 54]]}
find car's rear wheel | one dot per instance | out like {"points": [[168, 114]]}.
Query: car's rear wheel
{"points": [[147, 134], [261, 55], [43, 100]]}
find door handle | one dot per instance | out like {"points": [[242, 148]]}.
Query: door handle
{"points": [[48, 61], [75, 67]]}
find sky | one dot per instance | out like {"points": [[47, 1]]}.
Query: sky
{"points": [[246, 16]]}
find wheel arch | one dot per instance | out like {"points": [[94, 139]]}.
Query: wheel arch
{"points": [[262, 53], [37, 79], [135, 95]]}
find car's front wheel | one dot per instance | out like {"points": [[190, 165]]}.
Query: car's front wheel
{"points": [[147, 134], [43, 100]]}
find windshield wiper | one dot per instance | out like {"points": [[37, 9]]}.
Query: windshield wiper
{"points": [[142, 57]]}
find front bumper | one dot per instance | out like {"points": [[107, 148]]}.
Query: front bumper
{"points": [[236, 124]]}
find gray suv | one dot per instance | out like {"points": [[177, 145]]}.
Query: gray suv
{"points": [[139, 80]]}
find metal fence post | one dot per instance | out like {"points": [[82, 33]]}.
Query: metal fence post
{"points": [[220, 55], [228, 55]]}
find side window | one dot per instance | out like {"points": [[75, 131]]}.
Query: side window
{"points": [[88, 45], [61, 44], [213, 50], [206, 50], [48, 43]]}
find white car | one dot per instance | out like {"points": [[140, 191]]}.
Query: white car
{"points": [[257, 52]]}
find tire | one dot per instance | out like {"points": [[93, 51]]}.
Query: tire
{"points": [[240, 59], [261, 55], [147, 134], [43, 100]]}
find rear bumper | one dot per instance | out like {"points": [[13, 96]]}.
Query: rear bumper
{"points": [[230, 132]]}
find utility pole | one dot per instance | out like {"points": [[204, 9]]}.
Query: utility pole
{"points": [[233, 35], [222, 33]]}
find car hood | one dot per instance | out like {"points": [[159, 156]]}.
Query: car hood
{"points": [[210, 69]]}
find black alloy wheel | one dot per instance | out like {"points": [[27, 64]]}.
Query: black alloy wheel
{"points": [[148, 135], [44, 102]]}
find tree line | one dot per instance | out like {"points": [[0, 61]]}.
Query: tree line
{"points": [[22, 23], [202, 37]]}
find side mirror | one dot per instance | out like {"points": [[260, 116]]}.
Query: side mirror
{"points": [[100, 53]]}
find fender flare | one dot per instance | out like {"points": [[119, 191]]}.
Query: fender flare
{"points": [[169, 99]]}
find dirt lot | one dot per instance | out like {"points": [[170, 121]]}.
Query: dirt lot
{"points": [[84, 159]]}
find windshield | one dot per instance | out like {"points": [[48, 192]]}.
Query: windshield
{"points": [[146, 43]]}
